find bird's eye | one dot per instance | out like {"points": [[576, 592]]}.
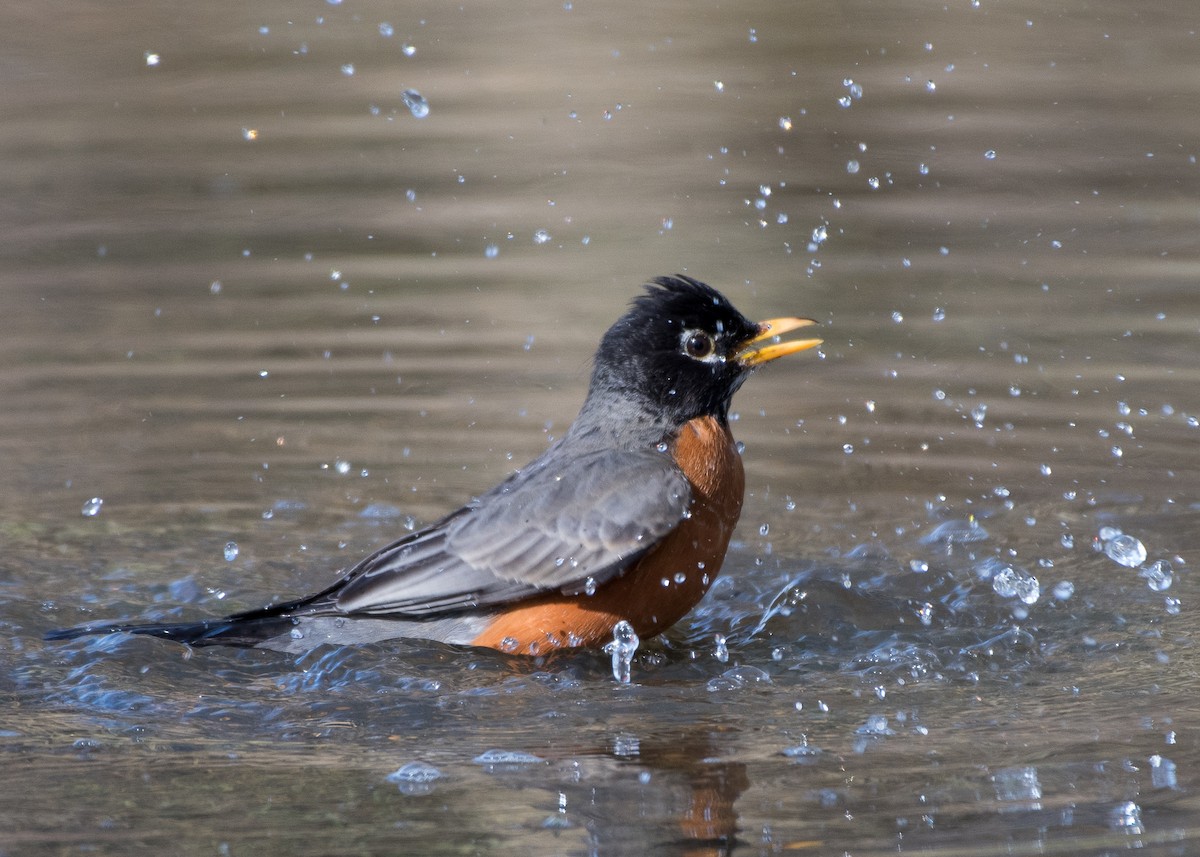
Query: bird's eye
{"points": [[697, 344]]}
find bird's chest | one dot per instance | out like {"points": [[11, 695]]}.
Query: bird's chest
{"points": [[683, 566]]}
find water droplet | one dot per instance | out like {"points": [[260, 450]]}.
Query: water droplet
{"points": [[408, 50], [990, 154], [348, 69], [589, 586], [848, 448], [1125, 550], [852, 167], [939, 314], [1159, 575], [153, 58], [541, 237], [231, 551], [415, 102], [764, 529], [1045, 469], [1012, 582], [1162, 773], [509, 644], [491, 251], [91, 508], [1063, 590], [720, 648], [680, 578], [386, 30], [1127, 818], [919, 566]]}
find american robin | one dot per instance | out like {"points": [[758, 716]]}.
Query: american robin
{"points": [[626, 517]]}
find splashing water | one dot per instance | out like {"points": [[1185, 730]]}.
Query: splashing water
{"points": [[622, 648]]}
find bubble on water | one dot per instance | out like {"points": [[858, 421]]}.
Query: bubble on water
{"points": [[875, 727], [955, 532], [1125, 550], [1018, 784], [91, 508], [414, 774], [1159, 575], [415, 102], [506, 758], [803, 752], [231, 551], [623, 647], [1063, 590]]}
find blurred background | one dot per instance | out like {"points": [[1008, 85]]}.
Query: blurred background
{"points": [[280, 281]]}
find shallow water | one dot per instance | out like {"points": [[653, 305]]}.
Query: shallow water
{"points": [[247, 296]]}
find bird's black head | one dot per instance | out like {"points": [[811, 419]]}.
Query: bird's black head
{"points": [[680, 352]]}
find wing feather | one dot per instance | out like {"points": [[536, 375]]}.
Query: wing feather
{"points": [[547, 528]]}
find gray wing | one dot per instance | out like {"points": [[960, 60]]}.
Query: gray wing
{"points": [[556, 526]]}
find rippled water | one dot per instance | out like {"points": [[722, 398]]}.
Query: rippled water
{"points": [[271, 317]]}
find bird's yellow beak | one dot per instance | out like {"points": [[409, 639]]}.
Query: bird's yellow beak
{"points": [[751, 354]]}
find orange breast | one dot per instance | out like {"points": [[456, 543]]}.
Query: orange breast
{"points": [[661, 587]]}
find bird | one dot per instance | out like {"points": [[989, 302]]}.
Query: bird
{"points": [[625, 518]]}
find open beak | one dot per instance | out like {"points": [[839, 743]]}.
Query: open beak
{"points": [[754, 353]]}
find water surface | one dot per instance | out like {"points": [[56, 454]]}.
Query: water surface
{"points": [[247, 296]]}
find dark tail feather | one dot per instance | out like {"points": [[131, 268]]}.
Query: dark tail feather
{"points": [[242, 630]]}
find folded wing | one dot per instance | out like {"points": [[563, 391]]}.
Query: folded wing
{"points": [[558, 526]]}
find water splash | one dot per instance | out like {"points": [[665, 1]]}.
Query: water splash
{"points": [[623, 647]]}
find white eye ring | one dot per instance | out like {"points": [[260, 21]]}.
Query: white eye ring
{"points": [[699, 345]]}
